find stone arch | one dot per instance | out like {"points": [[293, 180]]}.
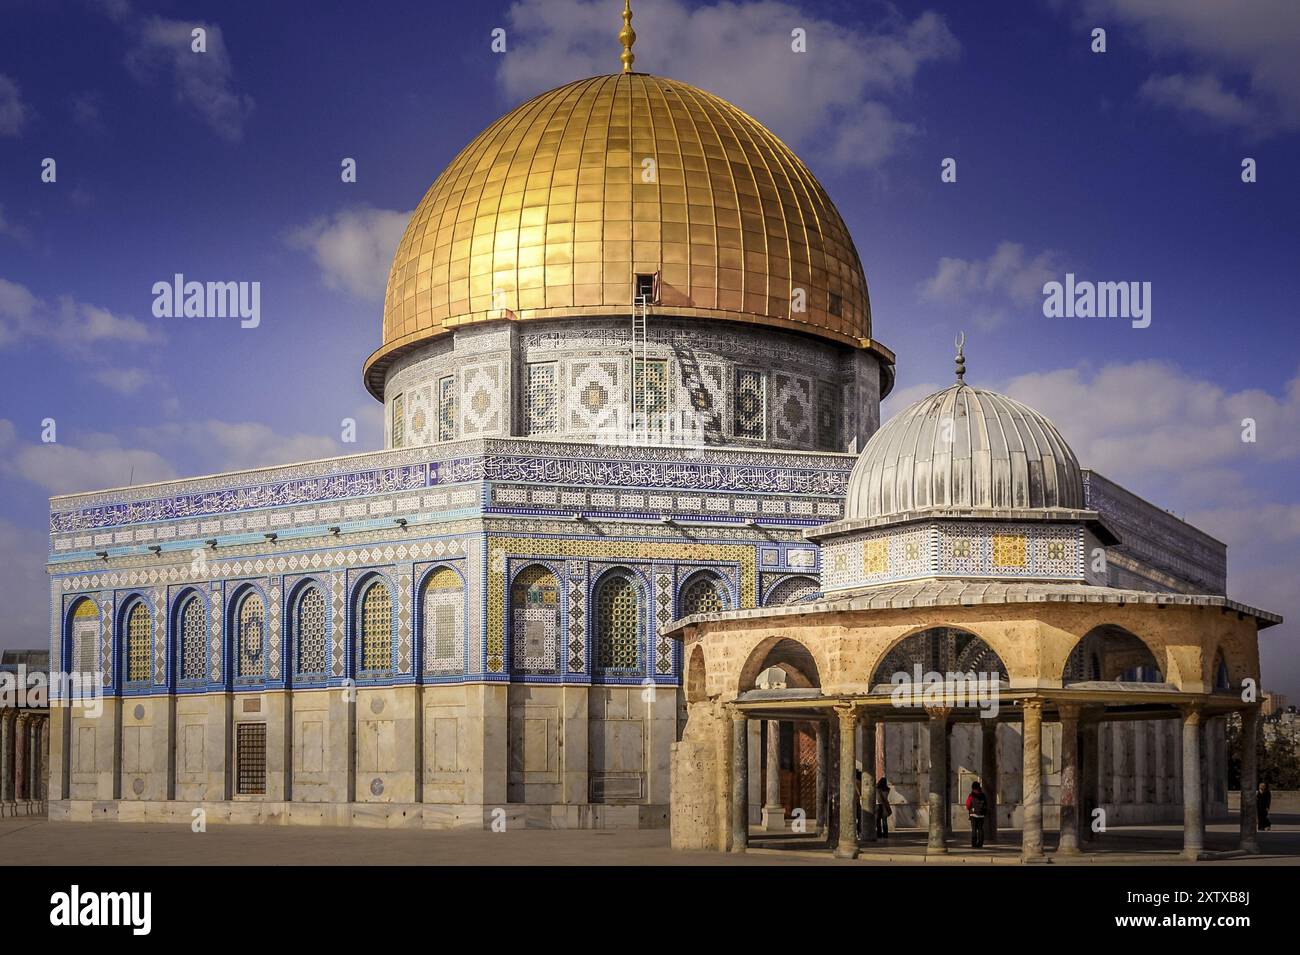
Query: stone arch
{"points": [[696, 676], [81, 617], [609, 596], [534, 620], [178, 627], [1219, 678], [797, 660], [234, 629], [127, 609], [790, 590], [693, 596], [440, 616], [1113, 653], [938, 649], [365, 595], [308, 588]]}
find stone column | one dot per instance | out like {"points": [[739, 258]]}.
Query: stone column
{"points": [[989, 776], [1249, 779], [1140, 762], [1068, 843], [823, 757], [739, 782], [869, 781], [937, 779], [846, 846], [773, 812], [1193, 813], [34, 767], [6, 755], [1090, 791], [20, 757], [1032, 781]]}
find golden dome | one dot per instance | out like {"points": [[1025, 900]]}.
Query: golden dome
{"points": [[553, 209]]}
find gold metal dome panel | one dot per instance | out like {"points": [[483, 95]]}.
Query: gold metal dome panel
{"points": [[553, 209]]}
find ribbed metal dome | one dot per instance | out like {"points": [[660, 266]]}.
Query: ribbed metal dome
{"points": [[964, 447], [553, 209]]}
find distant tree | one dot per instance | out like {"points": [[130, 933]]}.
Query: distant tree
{"points": [[1277, 755]]}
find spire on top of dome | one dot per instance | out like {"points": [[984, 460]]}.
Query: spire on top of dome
{"points": [[960, 342], [627, 36]]}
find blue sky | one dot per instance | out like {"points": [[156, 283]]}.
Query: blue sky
{"points": [[1116, 166]]}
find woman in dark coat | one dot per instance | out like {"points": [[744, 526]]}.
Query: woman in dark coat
{"points": [[1264, 799], [883, 809]]}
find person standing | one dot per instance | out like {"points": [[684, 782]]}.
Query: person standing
{"points": [[977, 805], [1263, 799], [883, 809]]}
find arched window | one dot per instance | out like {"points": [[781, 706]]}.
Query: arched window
{"points": [[1221, 679], [193, 641], [443, 621], [85, 637], [535, 621], [251, 636], [309, 632], [139, 643], [791, 590], [377, 628], [703, 593], [618, 624]]}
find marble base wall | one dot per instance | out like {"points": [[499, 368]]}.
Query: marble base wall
{"points": [[436, 756]]}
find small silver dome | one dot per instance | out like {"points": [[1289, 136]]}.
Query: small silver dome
{"points": [[964, 447]]}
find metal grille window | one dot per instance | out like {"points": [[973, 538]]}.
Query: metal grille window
{"points": [[399, 422], [251, 622], [543, 398], [377, 628], [701, 595], [194, 639], [85, 637], [447, 408], [250, 759], [139, 643], [751, 404], [535, 621], [444, 645], [618, 627], [310, 631]]}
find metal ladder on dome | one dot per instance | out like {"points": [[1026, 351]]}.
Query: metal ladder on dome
{"points": [[640, 357]]}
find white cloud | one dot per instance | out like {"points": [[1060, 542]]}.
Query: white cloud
{"points": [[72, 325], [354, 249], [1149, 423], [1245, 56], [95, 460], [60, 468], [24, 588], [203, 82], [1204, 95], [125, 381], [12, 111], [13, 230], [838, 95], [984, 287]]}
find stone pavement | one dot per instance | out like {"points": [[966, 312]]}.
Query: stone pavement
{"points": [[35, 841]]}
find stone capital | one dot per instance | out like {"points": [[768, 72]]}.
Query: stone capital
{"points": [[1192, 712], [937, 713], [1069, 711]]}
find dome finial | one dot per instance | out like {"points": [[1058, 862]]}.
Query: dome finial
{"points": [[627, 36], [960, 342]]}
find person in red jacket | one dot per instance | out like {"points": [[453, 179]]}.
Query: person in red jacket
{"points": [[977, 805]]}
